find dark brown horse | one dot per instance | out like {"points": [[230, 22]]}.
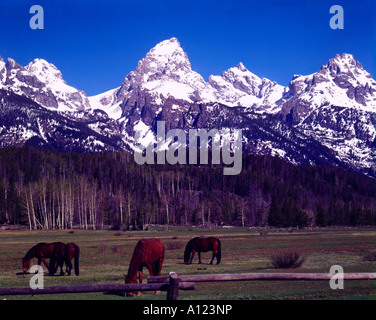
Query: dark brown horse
{"points": [[199, 245], [41, 251], [65, 253], [148, 253]]}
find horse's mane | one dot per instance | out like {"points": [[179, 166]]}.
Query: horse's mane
{"points": [[137, 258], [30, 253], [139, 251], [188, 248]]}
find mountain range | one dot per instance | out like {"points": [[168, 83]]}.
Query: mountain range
{"points": [[325, 118]]}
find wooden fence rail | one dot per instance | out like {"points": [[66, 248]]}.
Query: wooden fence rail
{"points": [[174, 282], [172, 287], [262, 276]]}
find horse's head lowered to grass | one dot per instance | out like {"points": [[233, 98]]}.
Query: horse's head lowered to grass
{"points": [[148, 253]]}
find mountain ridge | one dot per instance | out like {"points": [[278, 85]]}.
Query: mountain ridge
{"points": [[332, 110]]}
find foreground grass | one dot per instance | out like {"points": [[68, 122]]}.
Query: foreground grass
{"points": [[105, 257]]}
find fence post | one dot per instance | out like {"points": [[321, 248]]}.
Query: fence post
{"points": [[173, 289]]}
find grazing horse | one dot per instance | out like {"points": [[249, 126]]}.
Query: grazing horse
{"points": [[41, 251], [65, 253], [199, 245], [148, 253]]}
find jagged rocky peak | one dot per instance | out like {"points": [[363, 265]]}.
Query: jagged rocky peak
{"points": [[346, 65], [348, 83], [234, 82], [342, 63], [164, 73], [44, 71], [342, 82], [43, 83], [12, 64], [238, 86], [243, 79], [166, 58], [241, 67]]}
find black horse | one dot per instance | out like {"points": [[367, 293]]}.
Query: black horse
{"points": [[199, 245]]}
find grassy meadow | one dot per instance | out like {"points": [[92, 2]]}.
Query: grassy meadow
{"points": [[105, 256]]}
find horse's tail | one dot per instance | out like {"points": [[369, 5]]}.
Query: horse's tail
{"points": [[76, 260], [219, 251], [187, 252]]}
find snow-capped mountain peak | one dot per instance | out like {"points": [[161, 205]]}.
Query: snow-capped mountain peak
{"points": [[241, 66], [68, 97], [167, 57], [238, 86], [165, 72], [346, 71], [344, 63], [43, 83], [336, 106], [45, 72], [167, 62], [342, 82]]}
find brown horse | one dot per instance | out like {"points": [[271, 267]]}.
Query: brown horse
{"points": [[65, 253], [41, 251], [148, 253], [202, 245]]}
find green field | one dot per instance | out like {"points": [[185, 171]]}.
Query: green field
{"points": [[105, 257]]}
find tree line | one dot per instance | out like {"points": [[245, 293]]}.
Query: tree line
{"points": [[45, 189]]}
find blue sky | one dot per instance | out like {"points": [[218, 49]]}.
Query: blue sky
{"points": [[97, 43]]}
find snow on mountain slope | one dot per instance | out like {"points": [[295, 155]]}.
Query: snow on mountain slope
{"points": [[107, 102]]}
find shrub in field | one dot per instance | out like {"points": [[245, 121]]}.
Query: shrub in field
{"points": [[290, 259]]}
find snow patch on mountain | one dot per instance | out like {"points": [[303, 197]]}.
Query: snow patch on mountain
{"points": [[108, 103]]}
